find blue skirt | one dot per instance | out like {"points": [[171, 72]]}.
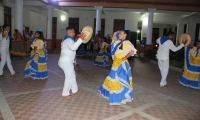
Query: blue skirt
{"points": [[36, 67], [102, 58], [80, 51], [118, 86]]}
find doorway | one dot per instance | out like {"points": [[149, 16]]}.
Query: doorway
{"points": [[74, 22], [197, 33], [54, 30], [155, 35], [119, 24], [7, 17], [102, 26]]}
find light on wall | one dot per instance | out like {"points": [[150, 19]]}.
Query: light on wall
{"points": [[138, 31], [145, 21], [62, 17]]}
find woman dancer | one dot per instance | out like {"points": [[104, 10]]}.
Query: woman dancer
{"points": [[102, 57], [18, 49], [118, 86], [36, 67]]}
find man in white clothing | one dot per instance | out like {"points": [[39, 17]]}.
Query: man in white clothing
{"points": [[67, 57], [4, 50], [165, 45]]}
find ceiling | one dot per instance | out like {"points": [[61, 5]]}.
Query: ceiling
{"points": [[178, 7]]}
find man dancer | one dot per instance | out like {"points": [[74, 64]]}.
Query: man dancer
{"points": [[67, 57], [4, 50], [165, 44]]}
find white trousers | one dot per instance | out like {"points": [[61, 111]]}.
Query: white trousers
{"points": [[164, 68], [70, 77], [5, 58]]}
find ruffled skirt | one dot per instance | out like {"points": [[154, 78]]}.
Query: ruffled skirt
{"points": [[118, 86], [36, 67], [102, 58]]}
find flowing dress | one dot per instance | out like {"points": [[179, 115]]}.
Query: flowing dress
{"points": [[36, 67], [102, 57], [18, 49], [118, 85], [191, 73], [80, 51]]}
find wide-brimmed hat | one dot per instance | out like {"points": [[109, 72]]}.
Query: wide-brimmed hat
{"points": [[185, 37], [88, 31]]}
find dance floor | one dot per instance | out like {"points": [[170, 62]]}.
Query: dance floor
{"points": [[26, 99]]}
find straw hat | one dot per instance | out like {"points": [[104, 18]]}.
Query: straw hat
{"points": [[88, 31], [185, 37]]}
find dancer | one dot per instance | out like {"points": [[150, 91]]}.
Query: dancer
{"points": [[4, 50], [81, 51], [66, 60], [165, 45], [102, 57], [18, 49], [36, 67], [118, 86], [191, 74]]}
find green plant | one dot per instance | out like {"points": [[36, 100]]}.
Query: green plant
{"points": [[150, 53], [176, 58]]}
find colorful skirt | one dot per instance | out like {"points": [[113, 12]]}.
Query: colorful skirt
{"points": [[80, 51], [118, 86], [191, 74], [36, 67], [102, 58], [18, 49]]}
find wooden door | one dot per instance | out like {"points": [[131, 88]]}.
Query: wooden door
{"points": [[197, 34], [155, 35], [102, 26], [74, 22], [119, 24], [26, 29], [54, 30]]}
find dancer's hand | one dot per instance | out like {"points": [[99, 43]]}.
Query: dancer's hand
{"points": [[82, 36], [123, 59], [184, 42]]}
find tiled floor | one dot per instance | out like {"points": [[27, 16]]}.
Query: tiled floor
{"points": [[27, 99]]}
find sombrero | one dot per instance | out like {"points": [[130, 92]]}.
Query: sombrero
{"points": [[185, 37], [88, 31]]}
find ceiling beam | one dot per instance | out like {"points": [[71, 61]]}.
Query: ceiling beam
{"points": [[134, 5], [34, 3], [143, 13], [192, 13]]}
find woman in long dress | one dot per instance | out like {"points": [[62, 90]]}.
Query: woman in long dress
{"points": [[191, 73], [118, 86], [102, 57], [36, 67], [18, 50]]}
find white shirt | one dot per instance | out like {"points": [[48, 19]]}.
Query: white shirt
{"points": [[68, 49], [163, 50], [4, 43]]}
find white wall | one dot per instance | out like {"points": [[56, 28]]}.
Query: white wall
{"points": [[38, 21], [36, 18], [61, 25], [26, 16], [85, 18], [1, 16]]}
